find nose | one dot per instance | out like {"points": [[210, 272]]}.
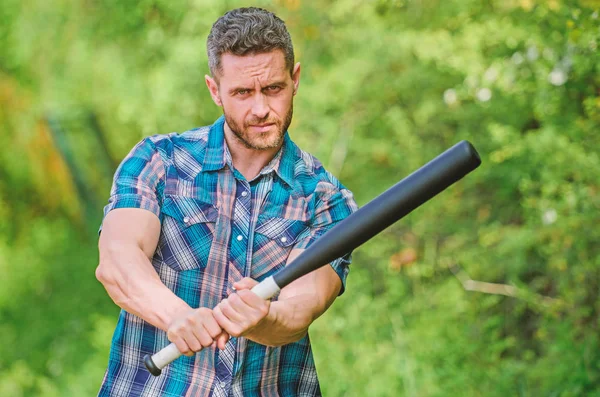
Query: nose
{"points": [[260, 106]]}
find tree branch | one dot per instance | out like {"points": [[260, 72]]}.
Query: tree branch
{"points": [[506, 290]]}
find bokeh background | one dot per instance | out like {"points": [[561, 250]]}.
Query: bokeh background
{"points": [[491, 289]]}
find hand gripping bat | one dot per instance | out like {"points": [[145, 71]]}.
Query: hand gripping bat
{"points": [[362, 225]]}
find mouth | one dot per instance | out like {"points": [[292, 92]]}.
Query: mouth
{"points": [[262, 127]]}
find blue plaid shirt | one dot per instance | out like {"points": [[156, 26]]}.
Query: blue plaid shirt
{"points": [[207, 242]]}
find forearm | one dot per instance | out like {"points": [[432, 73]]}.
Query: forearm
{"points": [[134, 285]]}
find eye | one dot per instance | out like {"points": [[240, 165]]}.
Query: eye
{"points": [[243, 91], [273, 88]]}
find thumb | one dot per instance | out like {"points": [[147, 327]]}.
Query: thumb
{"points": [[245, 283], [222, 339]]}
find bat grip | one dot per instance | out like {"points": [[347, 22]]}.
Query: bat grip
{"points": [[155, 363]]}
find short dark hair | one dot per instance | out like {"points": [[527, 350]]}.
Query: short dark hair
{"points": [[245, 31]]}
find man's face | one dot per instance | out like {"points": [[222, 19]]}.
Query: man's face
{"points": [[256, 93]]}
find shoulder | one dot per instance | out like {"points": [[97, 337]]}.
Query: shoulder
{"points": [[311, 176], [184, 150], [192, 140]]}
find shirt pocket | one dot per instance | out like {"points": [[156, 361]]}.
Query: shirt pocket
{"points": [[273, 241], [187, 233]]}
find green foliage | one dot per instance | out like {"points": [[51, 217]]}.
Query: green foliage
{"points": [[386, 86]]}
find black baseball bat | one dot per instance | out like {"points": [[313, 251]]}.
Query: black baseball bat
{"points": [[362, 225]]}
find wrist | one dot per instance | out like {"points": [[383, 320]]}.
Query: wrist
{"points": [[169, 313], [281, 326]]}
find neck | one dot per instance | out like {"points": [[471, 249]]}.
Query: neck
{"points": [[249, 162]]}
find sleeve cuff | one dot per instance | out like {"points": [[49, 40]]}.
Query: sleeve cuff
{"points": [[342, 267], [131, 201]]}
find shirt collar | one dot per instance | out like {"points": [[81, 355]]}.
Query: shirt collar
{"points": [[285, 160], [216, 156]]}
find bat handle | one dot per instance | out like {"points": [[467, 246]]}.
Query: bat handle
{"points": [[164, 357], [155, 363], [267, 288]]}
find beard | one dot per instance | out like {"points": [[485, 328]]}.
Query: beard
{"points": [[262, 140]]}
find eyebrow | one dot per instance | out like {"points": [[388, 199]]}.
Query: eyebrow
{"points": [[281, 84]]}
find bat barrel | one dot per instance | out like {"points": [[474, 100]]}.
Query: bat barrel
{"points": [[387, 208]]}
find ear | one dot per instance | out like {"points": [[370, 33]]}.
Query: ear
{"points": [[296, 77], [213, 88]]}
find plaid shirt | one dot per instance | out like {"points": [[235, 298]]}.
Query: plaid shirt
{"points": [[216, 228]]}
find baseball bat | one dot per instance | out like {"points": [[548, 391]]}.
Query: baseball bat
{"points": [[359, 227]]}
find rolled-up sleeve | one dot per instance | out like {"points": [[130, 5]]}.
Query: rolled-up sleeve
{"points": [[332, 206], [139, 180]]}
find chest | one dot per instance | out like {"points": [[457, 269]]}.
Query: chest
{"points": [[223, 227]]}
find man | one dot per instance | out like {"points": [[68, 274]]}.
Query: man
{"points": [[197, 219]]}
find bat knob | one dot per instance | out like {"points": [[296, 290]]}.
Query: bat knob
{"points": [[152, 368]]}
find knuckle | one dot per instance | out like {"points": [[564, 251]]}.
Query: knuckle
{"points": [[195, 346], [173, 333], [183, 348], [206, 341], [222, 310], [264, 310], [236, 332], [214, 332]]}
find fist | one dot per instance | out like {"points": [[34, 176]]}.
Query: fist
{"points": [[242, 312], [195, 329]]}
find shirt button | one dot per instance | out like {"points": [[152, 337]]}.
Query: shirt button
{"points": [[240, 238], [186, 220], [244, 193], [283, 239]]}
